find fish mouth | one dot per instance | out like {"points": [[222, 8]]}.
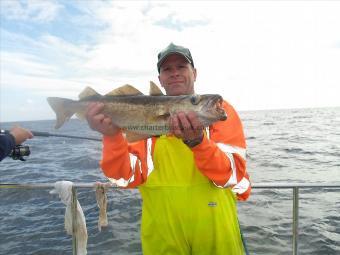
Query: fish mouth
{"points": [[216, 104]]}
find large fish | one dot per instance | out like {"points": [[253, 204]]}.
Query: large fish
{"points": [[139, 115]]}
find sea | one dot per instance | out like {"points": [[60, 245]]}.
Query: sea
{"points": [[284, 146]]}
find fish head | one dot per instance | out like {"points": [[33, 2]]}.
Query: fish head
{"points": [[209, 108]]}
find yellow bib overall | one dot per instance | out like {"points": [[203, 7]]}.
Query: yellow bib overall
{"points": [[183, 212]]}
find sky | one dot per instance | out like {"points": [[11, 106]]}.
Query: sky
{"points": [[257, 54]]}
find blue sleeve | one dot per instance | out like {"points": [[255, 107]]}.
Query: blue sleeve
{"points": [[7, 143]]}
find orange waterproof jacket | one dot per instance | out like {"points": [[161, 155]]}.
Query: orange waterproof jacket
{"points": [[221, 157]]}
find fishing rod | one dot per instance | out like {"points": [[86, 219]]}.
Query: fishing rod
{"points": [[46, 134], [21, 151]]}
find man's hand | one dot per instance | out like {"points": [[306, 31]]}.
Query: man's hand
{"points": [[187, 127], [20, 134], [98, 121]]}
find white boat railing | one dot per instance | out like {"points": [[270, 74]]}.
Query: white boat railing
{"points": [[294, 186]]}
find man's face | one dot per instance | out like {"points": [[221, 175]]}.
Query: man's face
{"points": [[177, 76]]}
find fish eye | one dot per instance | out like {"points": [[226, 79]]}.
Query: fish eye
{"points": [[195, 99]]}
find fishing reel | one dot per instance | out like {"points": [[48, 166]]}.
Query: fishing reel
{"points": [[19, 152]]}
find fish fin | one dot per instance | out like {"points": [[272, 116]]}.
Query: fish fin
{"points": [[88, 92], [163, 116], [161, 113], [155, 90], [134, 137], [61, 109], [126, 90]]}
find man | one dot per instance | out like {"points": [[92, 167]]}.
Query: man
{"points": [[188, 179], [17, 135]]}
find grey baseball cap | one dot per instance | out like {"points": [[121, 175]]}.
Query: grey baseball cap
{"points": [[174, 49]]}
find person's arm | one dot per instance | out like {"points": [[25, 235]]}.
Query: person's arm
{"points": [[222, 158], [17, 135], [123, 164], [7, 143]]}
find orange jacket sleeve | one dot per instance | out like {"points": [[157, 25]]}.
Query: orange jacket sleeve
{"points": [[123, 163], [222, 157]]}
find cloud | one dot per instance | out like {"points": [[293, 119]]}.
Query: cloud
{"points": [[30, 10], [172, 22], [24, 64], [256, 57]]}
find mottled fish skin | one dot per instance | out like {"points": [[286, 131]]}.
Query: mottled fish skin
{"points": [[138, 113]]}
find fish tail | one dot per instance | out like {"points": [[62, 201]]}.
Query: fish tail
{"points": [[62, 108]]}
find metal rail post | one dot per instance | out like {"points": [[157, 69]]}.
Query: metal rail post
{"points": [[295, 220], [74, 221]]}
